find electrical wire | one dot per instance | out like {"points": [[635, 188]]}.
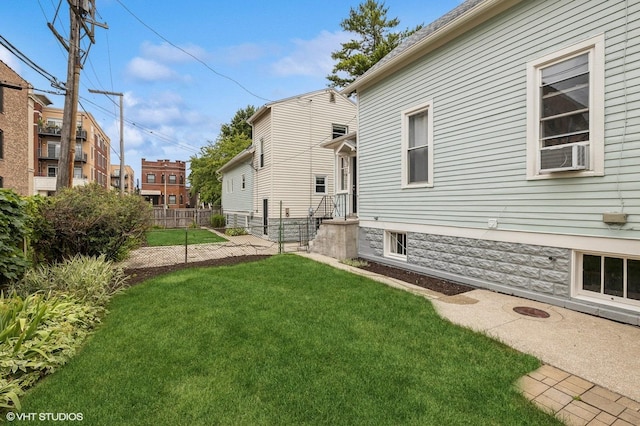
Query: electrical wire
{"points": [[191, 55], [132, 124], [626, 106], [31, 64]]}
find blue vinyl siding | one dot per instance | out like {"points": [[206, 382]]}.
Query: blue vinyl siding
{"points": [[478, 86]]}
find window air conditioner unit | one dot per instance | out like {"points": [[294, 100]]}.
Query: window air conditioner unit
{"points": [[564, 158]]}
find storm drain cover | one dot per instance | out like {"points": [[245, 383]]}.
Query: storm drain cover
{"points": [[531, 312]]}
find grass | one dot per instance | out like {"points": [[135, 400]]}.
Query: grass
{"points": [[285, 341], [175, 237]]}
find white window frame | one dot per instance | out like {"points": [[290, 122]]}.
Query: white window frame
{"points": [[405, 116], [343, 174], [579, 293], [595, 48], [390, 245], [244, 182], [338, 130], [174, 198], [315, 184]]}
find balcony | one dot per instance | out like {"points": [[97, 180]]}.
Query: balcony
{"points": [[45, 184], [56, 131], [46, 154], [115, 173]]}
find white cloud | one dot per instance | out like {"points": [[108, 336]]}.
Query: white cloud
{"points": [[166, 53], [149, 70], [311, 57]]}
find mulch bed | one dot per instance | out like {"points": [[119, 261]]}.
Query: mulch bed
{"points": [[435, 284], [445, 287]]}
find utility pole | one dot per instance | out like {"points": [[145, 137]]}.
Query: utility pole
{"points": [[121, 173], [82, 23]]}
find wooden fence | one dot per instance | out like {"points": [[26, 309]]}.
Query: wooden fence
{"points": [[182, 218]]}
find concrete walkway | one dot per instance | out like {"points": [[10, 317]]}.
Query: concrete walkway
{"points": [[591, 374]]}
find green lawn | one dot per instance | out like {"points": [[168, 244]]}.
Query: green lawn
{"points": [[284, 341], [174, 237]]}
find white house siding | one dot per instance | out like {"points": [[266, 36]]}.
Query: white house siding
{"points": [[299, 127], [293, 130], [477, 84], [238, 202]]}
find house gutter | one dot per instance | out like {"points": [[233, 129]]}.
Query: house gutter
{"points": [[237, 159], [439, 37]]}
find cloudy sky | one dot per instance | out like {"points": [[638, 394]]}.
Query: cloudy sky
{"points": [[186, 67]]}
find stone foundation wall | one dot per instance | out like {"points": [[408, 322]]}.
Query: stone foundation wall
{"points": [[538, 269], [293, 227]]}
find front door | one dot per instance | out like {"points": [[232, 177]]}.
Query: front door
{"points": [[265, 217], [354, 185]]}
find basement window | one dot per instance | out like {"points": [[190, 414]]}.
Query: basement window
{"points": [[615, 279], [395, 245]]}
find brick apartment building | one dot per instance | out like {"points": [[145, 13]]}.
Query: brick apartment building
{"points": [[164, 183], [92, 155], [16, 106], [129, 178]]}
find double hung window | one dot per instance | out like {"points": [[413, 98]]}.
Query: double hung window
{"points": [[417, 146], [565, 131]]}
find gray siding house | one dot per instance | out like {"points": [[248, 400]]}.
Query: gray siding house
{"points": [[237, 189], [500, 147]]}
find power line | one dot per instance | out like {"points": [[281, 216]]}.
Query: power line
{"points": [[192, 55], [31, 64], [160, 136]]}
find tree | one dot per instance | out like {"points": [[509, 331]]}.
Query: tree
{"points": [[369, 21], [234, 137]]}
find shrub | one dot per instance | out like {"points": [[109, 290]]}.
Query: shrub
{"points": [[218, 221], [87, 279], [90, 220], [356, 263], [37, 335], [233, 232], [13, 232]]}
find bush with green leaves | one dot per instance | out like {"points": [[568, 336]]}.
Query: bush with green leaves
{"points": [[218, 221], [38, 334], [13, 234], [90, 220], [233, 232], [88, 279]]}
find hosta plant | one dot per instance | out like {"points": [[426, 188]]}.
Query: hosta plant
{"points": [[89, 279], [38, 333]]}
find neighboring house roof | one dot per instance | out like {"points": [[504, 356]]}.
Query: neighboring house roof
{"points": [[246, 153], [349, 139], [267, 106], [42, 99], [468, 15]]}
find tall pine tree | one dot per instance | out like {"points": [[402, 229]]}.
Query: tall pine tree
{"points": [[375, 39]]}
